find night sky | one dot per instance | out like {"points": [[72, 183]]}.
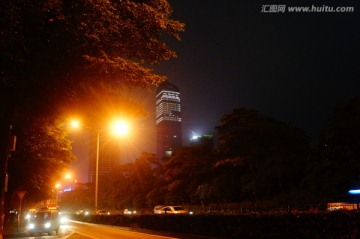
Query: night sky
{"points": [[294, 67], [290, 66]]}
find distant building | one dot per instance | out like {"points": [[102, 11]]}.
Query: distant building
{"points": [[109, 157], [168, 119]]}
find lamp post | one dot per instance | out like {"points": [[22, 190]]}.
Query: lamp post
{"points": [[97, 170], [5, 177], [118, 128]]}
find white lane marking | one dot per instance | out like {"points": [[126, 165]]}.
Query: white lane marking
{"points": [[83, 234]]}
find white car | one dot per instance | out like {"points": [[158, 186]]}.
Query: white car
{"points": [[102, 212], [129, 211], [157, 209], [45, 221], [174, 210]]}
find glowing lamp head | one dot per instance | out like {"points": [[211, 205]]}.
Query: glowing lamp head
{"points": [[75, 124], [120, 128], [68, 175]]}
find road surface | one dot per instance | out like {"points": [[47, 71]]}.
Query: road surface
{"points": [[80, 230]]}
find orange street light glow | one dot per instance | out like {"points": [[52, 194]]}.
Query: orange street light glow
{"points": [[68, 175], [75, 124], [120, 128]]}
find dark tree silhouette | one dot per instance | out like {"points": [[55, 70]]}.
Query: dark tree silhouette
{"points": [[261, 157], [335, 166]]}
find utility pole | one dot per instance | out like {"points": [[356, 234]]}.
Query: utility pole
{"points": [[5, 178]]}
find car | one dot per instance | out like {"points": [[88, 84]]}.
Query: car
{"points": [[128, 211], [102, 212], [63, 218], [43, 221], [157, 209], [82, 212], [173, 210]]}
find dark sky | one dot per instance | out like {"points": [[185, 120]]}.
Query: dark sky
{"points": [[293, 67], [290, 66]]}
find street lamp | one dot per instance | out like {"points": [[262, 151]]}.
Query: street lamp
{"points": [[118, 128], [75, 124], [67, 176], [97, 170]]}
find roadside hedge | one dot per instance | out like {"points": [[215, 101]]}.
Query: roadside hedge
{"points": [[324, 225]]}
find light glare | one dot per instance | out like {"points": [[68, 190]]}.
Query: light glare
{"points": [[75, 124], [68, 175], [120, 128]]}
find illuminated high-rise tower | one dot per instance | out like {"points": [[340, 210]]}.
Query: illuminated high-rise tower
{"points": [[168, 119]]}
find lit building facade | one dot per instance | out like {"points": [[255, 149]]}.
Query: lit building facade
{"points": [[109, 157], [168, 119]]}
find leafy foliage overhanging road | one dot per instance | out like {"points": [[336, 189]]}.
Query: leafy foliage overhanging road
{"points": [[59, 56]]}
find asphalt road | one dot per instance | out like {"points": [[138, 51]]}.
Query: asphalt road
{"points": [[80, 230]]}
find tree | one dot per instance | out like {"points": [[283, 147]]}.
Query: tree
{"points": [[144, 178], [130, 183], [260, 156], [71, 48], [43, 154], [57, 55], [335, 166], [185, 176]]}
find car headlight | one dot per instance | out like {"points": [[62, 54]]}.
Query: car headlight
{"points": [[31, 226], [63, 219], [47, 225]]}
